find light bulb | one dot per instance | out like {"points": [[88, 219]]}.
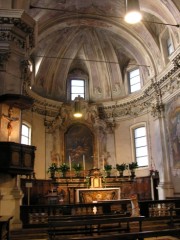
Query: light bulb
{"points": [[133, 17]]}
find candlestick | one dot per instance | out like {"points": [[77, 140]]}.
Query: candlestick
{"points": [[84, 166], [103, 162], [70, 163]]}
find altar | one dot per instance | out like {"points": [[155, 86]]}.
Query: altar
{"points": [[89, 195]]}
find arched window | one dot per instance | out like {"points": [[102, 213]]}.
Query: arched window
{"points": [[134, 80], [170, 47], [167, 46], [25, 134], [77, 89], [77, 84], [140, 147]]}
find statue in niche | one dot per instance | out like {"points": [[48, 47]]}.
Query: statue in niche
{"points": [[91, 115], [55, 157], [10, 120], [56, 123], [64, 114], [102, 141]]}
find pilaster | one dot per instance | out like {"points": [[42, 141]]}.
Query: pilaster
{"points": [[165, 187]]}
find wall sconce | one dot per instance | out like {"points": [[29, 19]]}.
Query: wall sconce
{"points": [[77, 107], [133, 14]]}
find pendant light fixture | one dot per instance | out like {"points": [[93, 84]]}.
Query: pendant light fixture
{"points": [[133, 14], [77, 107]]}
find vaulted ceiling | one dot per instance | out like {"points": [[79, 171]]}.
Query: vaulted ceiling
{"points": [[91, 37]]}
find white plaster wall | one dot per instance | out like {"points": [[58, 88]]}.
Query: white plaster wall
{"points": [[124, 153], [38, 140]]}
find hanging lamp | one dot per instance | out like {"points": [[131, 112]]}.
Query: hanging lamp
{"points": [[133, 14], [77, 107]]}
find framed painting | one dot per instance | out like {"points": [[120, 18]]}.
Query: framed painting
{"points": [[79, 146]]}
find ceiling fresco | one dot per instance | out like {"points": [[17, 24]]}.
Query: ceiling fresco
{"points": [[92, 36]]}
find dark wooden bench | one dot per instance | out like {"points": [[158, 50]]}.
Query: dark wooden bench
{"points": [[90, 224], [174, 218], [128, 236]]}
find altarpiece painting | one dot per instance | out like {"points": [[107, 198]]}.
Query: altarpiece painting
{"points": [[79, 144]]}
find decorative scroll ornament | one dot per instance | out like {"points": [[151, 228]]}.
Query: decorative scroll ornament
{"points": [[157, 110], [176, 61]]}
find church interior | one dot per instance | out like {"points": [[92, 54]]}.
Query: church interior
{"points": [[89, 111]]}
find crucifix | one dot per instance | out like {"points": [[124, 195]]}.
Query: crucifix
{"points": [[10, 120]]}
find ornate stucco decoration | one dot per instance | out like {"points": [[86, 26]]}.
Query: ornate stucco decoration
{"points": [[17, 27], [151, 98], [176, 61], [65, 118]]}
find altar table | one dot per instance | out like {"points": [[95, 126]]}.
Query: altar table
{"points": [[88, 195]]}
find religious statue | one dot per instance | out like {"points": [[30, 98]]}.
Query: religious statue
{"points": [[10, 120]]}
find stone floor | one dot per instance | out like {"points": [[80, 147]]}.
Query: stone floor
{"points": [[41, 233]]}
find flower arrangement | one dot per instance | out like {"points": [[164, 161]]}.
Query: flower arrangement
{"points": [[133, 165], [121, 167], [77, 167], [63, 167], [107, 167], [52, 169]]}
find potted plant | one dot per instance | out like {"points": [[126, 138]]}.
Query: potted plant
{"points": [[52, 169], [77, 168], [63, 168], [132, 167], [108, 169], [120, 168]]}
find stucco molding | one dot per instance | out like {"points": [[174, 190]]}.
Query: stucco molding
{"points": [[16, 25], [150, 99]]}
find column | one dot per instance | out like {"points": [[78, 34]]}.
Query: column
{"points": [[165, 187]]}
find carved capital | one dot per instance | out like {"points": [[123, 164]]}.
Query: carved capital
{"points": [[157, 110]]}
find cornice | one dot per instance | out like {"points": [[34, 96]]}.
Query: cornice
{"points": [[151, 98], [16, 25]]}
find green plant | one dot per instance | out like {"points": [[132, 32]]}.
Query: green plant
{"points": [[121, 167], [63, 167], [52, 168], [107, 167], [77, 167], [133, 165]]}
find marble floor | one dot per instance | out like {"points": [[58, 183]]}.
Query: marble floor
{"points": [[41, 233]]}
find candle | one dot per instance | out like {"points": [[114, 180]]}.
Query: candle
{"points": [[103, 162], [84, 166], [70, 163]]}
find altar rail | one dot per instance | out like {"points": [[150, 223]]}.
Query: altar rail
{"points": [[38, 215]]}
